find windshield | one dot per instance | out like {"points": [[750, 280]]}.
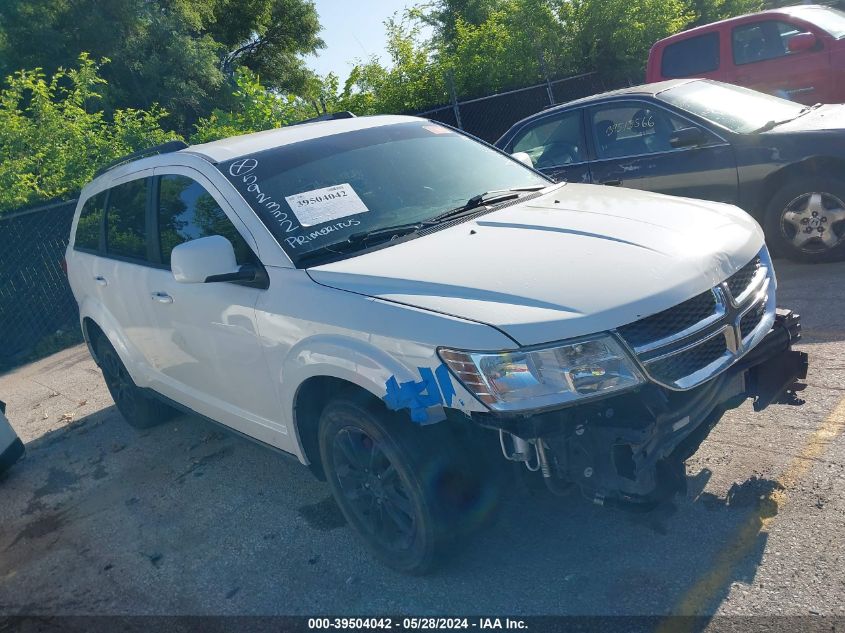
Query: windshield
{"points": [[827, 19], [738, 109], [319, 192]]}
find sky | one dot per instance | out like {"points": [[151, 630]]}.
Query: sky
{"points": [[353, 29]]}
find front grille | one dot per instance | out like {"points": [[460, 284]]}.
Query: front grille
{"points": [[689, 361], [709, 331], [738, 282], [752, 319], [669, 322]]}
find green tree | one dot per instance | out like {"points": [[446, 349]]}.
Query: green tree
{"points": [[54, 136], [508, 49], [269, 37], [413, 81], [177, 53], [445, 15], [614, 36], [707, 11], [253, 108]]}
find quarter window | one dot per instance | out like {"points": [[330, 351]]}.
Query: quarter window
{"points": [[692, 56], [90, 222], [126, 220], [187, 211], [762, 40], [632, 129], [554, 141]]}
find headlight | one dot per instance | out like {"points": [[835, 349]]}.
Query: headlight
{"points": [[536, 378]]}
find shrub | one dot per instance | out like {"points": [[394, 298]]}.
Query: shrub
{"points": [[54, 135]]}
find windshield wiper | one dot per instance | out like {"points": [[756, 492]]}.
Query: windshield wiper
{"points": [[769, 125], [483, 199], [387, 231], [343, 247]]}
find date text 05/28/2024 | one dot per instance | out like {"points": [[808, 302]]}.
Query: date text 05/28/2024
{"points": [[425, 623]]}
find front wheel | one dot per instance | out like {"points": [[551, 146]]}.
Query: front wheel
{"points": [[373, 469], [805, 220]]}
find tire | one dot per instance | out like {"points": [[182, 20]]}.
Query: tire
{"points": [[805, 220], [138, 408], [392, 480]]}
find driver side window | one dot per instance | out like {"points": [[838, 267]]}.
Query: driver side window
{"points": [[553, 141], [759, 41], [186, 211]]}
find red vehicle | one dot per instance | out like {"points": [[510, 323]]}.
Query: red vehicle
{"points": [[794, 52]]}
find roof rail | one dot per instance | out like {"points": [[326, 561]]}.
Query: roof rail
{"points": [[329, 116], [164, 148]]}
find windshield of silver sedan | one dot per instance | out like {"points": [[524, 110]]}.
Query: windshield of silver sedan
{"points": [[340, 194], [738, 109]]}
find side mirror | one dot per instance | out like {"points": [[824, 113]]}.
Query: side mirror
{"points": [[523, 158], [802, 42], [687, 137], [206, 260]]}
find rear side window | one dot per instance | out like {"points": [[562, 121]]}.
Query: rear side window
{"points": [[691, 57], [630, 128], [126, 220], [186, 211], [90, 221]]}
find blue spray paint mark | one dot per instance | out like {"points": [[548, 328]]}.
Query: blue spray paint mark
{"points": [[417, 396]]}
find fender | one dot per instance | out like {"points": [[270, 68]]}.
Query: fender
{"points": [[127, 352], [365, 364]]}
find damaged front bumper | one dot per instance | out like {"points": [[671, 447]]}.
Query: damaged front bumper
{"points": [[630, 449]]}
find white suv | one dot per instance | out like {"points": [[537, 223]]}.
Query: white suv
{"points": [[403, 308]]}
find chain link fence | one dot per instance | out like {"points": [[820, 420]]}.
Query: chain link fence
{"points": [[38, 313], [490, 116]]}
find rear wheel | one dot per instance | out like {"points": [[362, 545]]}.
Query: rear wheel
{"points": [[805, 220], [139, 409]]}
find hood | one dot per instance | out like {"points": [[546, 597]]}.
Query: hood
{"points": [[578, 260], [825, 117]]}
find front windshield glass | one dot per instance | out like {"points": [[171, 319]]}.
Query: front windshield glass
{"points": [[739, 109], [318, 192], [827, 19]]}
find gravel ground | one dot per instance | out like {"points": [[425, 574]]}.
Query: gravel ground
{"points": [[188, 519]]}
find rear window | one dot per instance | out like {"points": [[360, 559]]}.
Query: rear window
{"points": [[691, 57], [126, 220], [90, 220]]}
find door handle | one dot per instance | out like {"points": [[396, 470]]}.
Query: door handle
{"points": [[101, 281], [162, 297], [612, 183]]}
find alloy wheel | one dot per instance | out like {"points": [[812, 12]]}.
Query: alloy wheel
{"points": [[809, 222], [373, 488]]}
